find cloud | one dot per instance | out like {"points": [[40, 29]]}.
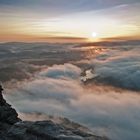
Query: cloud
{"points": [[110, 107], [16, 71], [62, 71], [20, 61], [57, 84], [58, 91], [58, 3], [119, 68]]}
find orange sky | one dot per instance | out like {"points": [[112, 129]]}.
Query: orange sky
{"points": [[118, 21]]}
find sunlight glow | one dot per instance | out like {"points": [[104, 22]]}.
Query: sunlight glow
{"points": [[94, 34]]}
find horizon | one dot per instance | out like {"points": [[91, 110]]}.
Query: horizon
{"points": [[68, 21]]}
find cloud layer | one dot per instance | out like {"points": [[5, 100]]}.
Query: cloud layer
{"points": [[120, 68], [109, 103]]}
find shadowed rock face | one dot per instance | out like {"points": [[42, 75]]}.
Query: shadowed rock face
{"points": [[8, 116], [12, 128]]}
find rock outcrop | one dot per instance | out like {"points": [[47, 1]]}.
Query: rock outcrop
{"points": [[12, 128]]}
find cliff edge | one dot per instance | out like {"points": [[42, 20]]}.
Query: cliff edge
{"points": [[13, 128]]}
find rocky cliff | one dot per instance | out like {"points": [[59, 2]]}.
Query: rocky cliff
{"points": [[13, 128]]}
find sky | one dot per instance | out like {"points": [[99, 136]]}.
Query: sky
{"points": [[73, 20]]}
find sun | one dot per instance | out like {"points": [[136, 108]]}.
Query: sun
{"points": [[94, 34]]}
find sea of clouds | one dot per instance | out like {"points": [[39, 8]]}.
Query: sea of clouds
{"points": [[109, 103]]}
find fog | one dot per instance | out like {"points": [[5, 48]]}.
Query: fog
{"points": [[107, 103]]}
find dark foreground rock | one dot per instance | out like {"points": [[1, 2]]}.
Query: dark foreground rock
{"points": [[12, 128]]}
